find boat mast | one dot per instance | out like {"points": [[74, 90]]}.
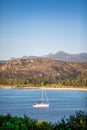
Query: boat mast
{"points": [[42, 91]]}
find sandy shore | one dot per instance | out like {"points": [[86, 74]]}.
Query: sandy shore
{"points": [[46, 88], [80, 89]]}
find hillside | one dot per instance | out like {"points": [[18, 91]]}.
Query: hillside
{"points": [[40, 69]]}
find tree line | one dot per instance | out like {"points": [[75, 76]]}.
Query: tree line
{"points": [[80, 81]]}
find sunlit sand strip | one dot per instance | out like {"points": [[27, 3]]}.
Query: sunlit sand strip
{"points": [[81, 89], [44, 87]]}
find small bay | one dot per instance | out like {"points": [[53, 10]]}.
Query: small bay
{"points": [[63, 103]]}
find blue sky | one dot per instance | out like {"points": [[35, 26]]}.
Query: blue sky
{"points": [[38, 27]]}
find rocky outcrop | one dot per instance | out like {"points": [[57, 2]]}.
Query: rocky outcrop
{"points": [[42, 67]]}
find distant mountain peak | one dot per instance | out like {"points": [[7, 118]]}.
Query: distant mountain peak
{"points": [[63, 56], [61, 52]]}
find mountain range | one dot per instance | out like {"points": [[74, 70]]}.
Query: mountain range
{"points": [[62, 56]]}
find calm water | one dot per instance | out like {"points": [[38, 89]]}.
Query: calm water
{"points": [[62, 103]]}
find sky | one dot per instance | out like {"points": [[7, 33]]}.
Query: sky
{"points": [[39, 27]]}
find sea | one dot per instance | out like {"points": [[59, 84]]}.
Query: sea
{"points": [[62, 103]]}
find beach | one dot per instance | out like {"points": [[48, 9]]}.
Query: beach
{"points": [[71, 88], [44, 87]]}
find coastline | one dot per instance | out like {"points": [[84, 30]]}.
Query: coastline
{"points": [[44, 87], [71, 88]]}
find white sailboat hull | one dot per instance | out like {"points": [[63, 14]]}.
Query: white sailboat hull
{"points": [[42, 105]]}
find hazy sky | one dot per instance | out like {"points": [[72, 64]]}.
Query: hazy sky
{"points": [[38, 27]]}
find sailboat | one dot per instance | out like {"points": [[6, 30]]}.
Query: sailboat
{"points": [[43, 103]]}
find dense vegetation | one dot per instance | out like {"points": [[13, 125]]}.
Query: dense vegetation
{"points": [[74, 122], [32, 72], [80, 81]]}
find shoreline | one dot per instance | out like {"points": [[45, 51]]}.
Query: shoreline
{"points": [[71, 88], [46, 88]]}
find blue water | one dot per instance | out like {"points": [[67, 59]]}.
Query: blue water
{"points": [[18, 102]]}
